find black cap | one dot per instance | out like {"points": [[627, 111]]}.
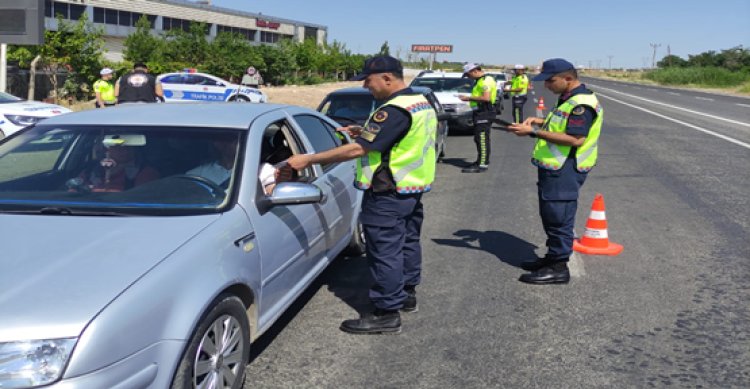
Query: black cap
{"points": [[139, 65], [379, 64], [551, 67]]}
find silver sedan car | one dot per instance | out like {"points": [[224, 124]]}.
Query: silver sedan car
{"points": [[147, 246]]}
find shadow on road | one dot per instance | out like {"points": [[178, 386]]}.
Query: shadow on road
{"points": [[506, 247], [457, 162]]}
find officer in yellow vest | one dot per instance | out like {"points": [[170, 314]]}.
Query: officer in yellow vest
{"points": [[482, 101], [565, 151], [519, 88], [104, 90], [395, 166]]}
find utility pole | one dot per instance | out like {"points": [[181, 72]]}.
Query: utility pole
{"points": [[610, 61], [653, 58]]}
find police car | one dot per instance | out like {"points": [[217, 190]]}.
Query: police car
{"points": [[16, 113], [193, 86]]}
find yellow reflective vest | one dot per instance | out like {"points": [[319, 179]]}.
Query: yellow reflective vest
{"points": [[106, 89], [552, 156], [478, 90], [519, 81], [412, 159]]}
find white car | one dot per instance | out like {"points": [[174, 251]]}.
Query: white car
{"points": [[17, 113], [191, 86], [501, 79], [447, 86]]}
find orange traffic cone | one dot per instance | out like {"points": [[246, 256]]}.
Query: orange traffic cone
{"points": [[540, 106], [595, 240]]}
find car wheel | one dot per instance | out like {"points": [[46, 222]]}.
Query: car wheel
{"points": [[219, 349], [356, 245], [240, 99]]}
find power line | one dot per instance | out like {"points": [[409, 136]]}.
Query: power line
{"points": [[653, 58]]}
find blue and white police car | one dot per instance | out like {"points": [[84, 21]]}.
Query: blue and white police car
{"points": [[190, 86], [16, 113]]}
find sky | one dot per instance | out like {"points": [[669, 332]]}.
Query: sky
{"points": [[591, 33]]}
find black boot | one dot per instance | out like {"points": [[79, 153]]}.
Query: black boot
{"points": [[556, 273], [537, 264], [474, 169], [379, 321], [410, 303]]}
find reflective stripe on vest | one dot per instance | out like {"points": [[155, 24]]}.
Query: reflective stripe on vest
{"points": [[552, 156], [478, 90], [519, 81], [412, 159]]}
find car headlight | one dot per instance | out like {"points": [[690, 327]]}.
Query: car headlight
{"points": [[32, 363], [21, 120]]}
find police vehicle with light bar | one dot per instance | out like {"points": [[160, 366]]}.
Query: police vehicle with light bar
{"points": [[16, 113], [191, 85]]}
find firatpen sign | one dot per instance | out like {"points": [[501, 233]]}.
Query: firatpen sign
{"points": [[432, 48]]}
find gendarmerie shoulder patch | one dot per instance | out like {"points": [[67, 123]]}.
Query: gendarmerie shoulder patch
{"points": [[579, 110], [370, 132], [380, 116]]}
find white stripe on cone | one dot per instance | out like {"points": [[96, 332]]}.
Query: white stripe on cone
{"points": [[596, 234], [598, 215]]}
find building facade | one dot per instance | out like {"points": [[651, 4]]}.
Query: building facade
{"points": [[118, 18]]}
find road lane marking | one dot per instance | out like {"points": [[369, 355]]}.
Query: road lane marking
{"points": [[701, 129], [575, 265], [703, 98], [674, 93], [676, 107], [743, 105]]}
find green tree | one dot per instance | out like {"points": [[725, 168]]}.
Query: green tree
{"points": [[230, 55], [142, 46], [186, 47], [672, 61], [75, 48]]}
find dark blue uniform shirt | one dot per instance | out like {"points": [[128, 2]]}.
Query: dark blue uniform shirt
{"points": [[579, 121]]}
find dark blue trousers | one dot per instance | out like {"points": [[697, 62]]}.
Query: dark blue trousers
{"points": [[392, 224], [518, 103], [558, 202]]}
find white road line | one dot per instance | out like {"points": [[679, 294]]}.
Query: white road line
{"points": [[676, 107], [674, 93], [703, 98], [701, 129], [575, 265], [743, 105]]}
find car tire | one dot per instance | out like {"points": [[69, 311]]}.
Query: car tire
{"points": [[240, 99], [356, 245], [198, 366]]}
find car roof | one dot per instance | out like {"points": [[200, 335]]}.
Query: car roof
{"points": [[358, 90], [442, 75], [186, 73], [220, 115]]}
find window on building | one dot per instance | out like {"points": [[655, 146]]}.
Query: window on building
{"points": [[124, 18], [98, 15], [110, 16], [311, 32], [62, 9], [76, 10], [48, 8]]}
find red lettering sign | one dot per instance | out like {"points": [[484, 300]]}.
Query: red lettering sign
{"points": [[267, 24], [432, 48]]}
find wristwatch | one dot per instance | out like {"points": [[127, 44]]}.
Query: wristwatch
{"points": [[534, 131]]}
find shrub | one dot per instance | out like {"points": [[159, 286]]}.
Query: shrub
{"points": [[701, 76]]}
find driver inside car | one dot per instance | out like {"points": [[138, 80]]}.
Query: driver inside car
{"points": [[121, 168]]}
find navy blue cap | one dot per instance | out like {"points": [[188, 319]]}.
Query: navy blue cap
{"points": [[379, 64], [551, 67]]}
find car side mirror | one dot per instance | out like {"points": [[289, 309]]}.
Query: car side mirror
{"points": [[290, 193], [443, 116]]}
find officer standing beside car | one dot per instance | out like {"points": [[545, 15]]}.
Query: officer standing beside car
{"points": [[138, 86], [564, 153], [482, 102], [395, 153], [519, 88]]}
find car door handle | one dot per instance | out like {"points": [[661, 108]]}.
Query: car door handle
{"points": [[246, 242]]}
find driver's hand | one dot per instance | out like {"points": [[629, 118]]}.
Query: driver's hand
{"points": [[299, 161]]}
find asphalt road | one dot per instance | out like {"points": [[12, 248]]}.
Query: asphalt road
{"points": [[670, 311]]}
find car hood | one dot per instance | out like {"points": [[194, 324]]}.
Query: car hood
{"points": [[59, 272], [32, 108], [450, 97]]}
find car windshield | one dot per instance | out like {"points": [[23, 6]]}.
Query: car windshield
{"points": [[8, 98], [462, 85], [351, 106], [97, 170]]}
